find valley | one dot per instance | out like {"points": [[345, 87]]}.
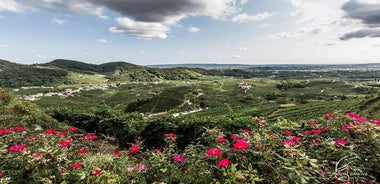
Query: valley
{"points": [[183, 111]]}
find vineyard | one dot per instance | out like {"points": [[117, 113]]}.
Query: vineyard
{"points": [[213, 129], [106, 146]]}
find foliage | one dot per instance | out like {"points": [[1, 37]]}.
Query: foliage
{"points": [[333, 149], [18, 112], [31, 76]]}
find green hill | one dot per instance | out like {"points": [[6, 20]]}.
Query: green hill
{"points": [[62, 71], [15, 75], [6, 64], [75, 66]]}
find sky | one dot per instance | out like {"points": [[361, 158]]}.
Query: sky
{"points": [[191, 31]]}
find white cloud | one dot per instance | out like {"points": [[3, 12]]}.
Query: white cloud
{"points": [[309, 30], [4, 46], [10, 5], [150, 20], [242, 48], [58, 21], [142, 30], [251, 18], [41, 56], [213, 58], [367, 13], [312, 10], [145, 19], [236, 56], [194, 30], [102, 40], [243, 2], [281, 35], [217, 9], [330, 44], [317, 17], [265, 25], [303, 31], [71, 6]]}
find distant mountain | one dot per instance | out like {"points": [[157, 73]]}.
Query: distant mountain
{"points": [[77, 66], [269, 66], [204, 66]]}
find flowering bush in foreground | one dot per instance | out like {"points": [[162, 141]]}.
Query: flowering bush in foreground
{"points": [[332, 149]]}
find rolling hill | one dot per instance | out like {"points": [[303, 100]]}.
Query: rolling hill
{"points": [[62, 71]]}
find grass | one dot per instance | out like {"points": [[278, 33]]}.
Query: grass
{"points": [[79, 79]]}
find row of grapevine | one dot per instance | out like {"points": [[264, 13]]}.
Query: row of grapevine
{"points": [[310, 110]]}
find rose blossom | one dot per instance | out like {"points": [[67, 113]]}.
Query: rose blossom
{"points": [[64, 143], [214, 152], [288, 133], [50, 131], [117, 153], [76, 165], [90, 137], [37, 155], [224, 162], [17, 148], [241, 145], [134, 149], [72, 129], [178, 158], [221, 139], [96, 172], [83, 151], [341, 142]]}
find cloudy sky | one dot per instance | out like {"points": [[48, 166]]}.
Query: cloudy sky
{"points": [[191, 31]]}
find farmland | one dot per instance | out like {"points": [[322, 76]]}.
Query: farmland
{"points": [[217, 95], [290, 122]]}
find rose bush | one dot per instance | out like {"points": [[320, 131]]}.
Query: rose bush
{"points": [[332, 149]]}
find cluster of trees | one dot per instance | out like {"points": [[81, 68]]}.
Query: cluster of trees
{"points": [[289, 85], [32, 76]]}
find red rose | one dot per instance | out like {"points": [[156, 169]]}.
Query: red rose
{"points": [[17, 148], [83, 151], [221, 139], [72, 129], [224, 162], [76, 165], [89, 137], [214, 152], [241, 145], [178, 158], [64, 143], [134, 149], [117, 154], [96, 172], [50, 131]]}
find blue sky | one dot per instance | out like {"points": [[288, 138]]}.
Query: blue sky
{"points": [[191, 31]]}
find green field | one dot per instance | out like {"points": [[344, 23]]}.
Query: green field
{"points": [[218, 95]]}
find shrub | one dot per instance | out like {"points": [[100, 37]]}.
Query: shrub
{"points": [[332, 149]]}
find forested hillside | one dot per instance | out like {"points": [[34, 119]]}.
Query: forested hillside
{"points": [[59, 72]]}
